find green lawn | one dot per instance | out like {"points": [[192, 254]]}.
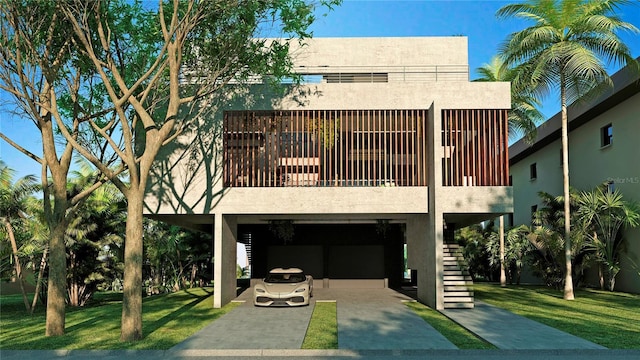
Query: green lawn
{"points": [[459, 336], [323, 327], [611, 319], [608, 319], [167, 320]]}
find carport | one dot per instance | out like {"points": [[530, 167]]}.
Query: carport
{"points": [[338, 255]]}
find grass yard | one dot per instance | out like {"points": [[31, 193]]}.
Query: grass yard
{"points": [[323, 327], [610, 319], [167, 320], [459, 336]]}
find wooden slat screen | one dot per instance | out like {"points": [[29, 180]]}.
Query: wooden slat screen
{"points": [[475, 148], [325, 148]]}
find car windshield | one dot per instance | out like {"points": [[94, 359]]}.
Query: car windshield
{"points": [[285, 278]]}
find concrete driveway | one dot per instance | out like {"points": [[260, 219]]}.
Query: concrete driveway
{"points": [[368, 319]]}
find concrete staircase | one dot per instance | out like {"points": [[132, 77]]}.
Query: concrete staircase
{"points": [[458, 285]]}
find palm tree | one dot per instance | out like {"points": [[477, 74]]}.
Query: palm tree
{"points": [[523, 120], [524, 116], [605, 214], [564, 49], [13, 207]]}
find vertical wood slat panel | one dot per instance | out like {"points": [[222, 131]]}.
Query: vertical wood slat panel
{"points": [[365, 147]]}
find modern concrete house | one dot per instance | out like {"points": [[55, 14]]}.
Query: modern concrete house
{"points": [[603, 147], [389, 149]]}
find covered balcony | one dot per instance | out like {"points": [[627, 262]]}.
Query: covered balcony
{"points": [[306, 148]]}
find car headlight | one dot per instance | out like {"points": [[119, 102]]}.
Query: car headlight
{"points": [[301, 290], [260, 290]]}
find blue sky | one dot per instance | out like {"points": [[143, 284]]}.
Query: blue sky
{"points": [[360, 18]]}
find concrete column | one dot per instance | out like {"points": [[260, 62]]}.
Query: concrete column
{"points": [[224, 238], [431, 286], [416, 242]]}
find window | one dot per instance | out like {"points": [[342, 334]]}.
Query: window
{"points": [[534, 208], [533, 171], [611, 187], [561, 158], [606, 135]]}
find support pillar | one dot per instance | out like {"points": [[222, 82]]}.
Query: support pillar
{"points": [[225, 230], [424, 254]]}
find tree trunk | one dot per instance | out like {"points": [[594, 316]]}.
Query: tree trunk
{"points": [[503, 276], [131, 327], [56, 291], [568, 279], [16, 261], [601, 276], [73, 284], [43, 264]]}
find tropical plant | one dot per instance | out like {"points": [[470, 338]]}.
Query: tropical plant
{"points": [[98, 226], [548, 238], [564, 49], [516, 251], [605, 214], [14, 198], [176, 258], [524, 116], [474, 240]]}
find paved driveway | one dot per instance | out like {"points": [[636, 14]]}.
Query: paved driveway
{"points": [[367, 319]]}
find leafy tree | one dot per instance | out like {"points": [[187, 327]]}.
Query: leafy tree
{"points": [[564, 49], [160, 69], [49, 84], [13, 209], [604, 214], [130, 79]]}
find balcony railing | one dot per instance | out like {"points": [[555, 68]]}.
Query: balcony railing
{"points": [[325, 148]]}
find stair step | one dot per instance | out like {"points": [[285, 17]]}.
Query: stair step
{"points": [[448, 294], [451, 262], [455, 272], [458, 283], [458, 299], [455, 288], [457, 277]]}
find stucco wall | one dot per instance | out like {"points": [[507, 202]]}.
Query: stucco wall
{"points": [[589, 166]]}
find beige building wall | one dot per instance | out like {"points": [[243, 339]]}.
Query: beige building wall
{"points": [[589, 165], [424, 73]]}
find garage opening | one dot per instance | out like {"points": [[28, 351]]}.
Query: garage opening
{"points": [[336, 255]]}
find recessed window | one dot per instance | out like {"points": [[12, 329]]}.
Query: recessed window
{"points": [[611, 187], [533, 171], [561, 158], [606, 135], [534, 208]]}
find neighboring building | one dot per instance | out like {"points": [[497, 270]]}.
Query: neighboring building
{"points": [[604, 146], [390, 146]]}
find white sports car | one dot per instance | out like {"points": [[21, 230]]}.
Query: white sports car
{"points": [[284, 287]]}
